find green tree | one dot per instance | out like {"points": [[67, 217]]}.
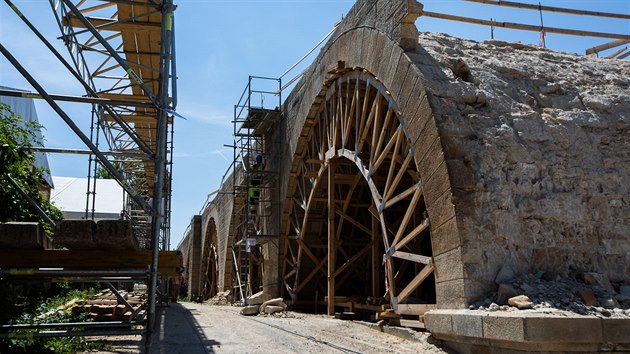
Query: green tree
{"points": [[17, 161]]}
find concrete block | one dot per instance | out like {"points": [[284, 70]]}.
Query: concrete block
{"points": [[23, 235], [501, 327], [468, 325], [76, 234], [115, 235], [578, 329], [616, 330]]}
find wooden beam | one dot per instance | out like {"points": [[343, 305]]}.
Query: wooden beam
{"points": [[107, 24], [524, 27], [332, 247], [617, 53], [412, 257], [353, 221], [402, 195], [624, 56], [519, 5], [353, 259], [412, 235], [605, 46], [90, 259], [413, 285], [415, 309], [410, 210], [376, 259]]}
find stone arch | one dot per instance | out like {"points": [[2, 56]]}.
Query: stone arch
{"points": [[209, 261], [400, 77]]}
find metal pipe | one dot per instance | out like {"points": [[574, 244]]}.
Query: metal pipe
{"points": [[108, 165], [77, 99], [113, 52], [67, 333], [84, 152], [108, 324], [87, 87], [31, 201], [160, 161], [134, 313]]}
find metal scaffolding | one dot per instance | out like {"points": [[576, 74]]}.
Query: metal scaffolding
{"points": [[123, 54], [256, 191]]}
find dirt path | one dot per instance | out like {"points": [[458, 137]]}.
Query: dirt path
{"points": [[198, 328]]}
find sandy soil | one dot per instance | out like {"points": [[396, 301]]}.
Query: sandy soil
{"points": [[199, 328]]}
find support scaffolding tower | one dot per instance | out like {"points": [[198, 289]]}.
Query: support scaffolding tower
{"points": [[123, 54], [255, 218]]}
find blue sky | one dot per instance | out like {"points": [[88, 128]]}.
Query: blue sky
{"points": [[220, 43]]}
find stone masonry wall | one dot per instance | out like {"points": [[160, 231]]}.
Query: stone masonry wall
{"points": [[538, 147]]}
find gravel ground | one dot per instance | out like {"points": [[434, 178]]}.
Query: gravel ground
{"points": [[200, 328]]}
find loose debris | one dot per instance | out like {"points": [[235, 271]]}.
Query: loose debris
{"points": [[583, 293]]}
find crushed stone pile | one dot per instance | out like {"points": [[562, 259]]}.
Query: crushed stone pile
{"points": [[588, 293]]}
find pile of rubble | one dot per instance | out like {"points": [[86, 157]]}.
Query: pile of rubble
{"points": [[583, 293], [222, 298], [256, 305]]}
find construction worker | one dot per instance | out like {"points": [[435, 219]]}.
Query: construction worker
{"points": [[255, 182]]}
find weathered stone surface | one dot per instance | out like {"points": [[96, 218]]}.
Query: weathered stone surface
{"points": [[271, 309], [249, 310], [277, 302], [76, 234], [506, 291], [115, 235], [256, 299], [23, 235], [599, 280], [587, 297], [521, 301]]}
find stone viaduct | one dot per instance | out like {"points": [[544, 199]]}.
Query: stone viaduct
{"points": [[451, 166]]}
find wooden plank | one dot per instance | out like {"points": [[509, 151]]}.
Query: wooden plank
{"points": [[413, 257], [90, 259], [418, 230], [605, 46], [332, 247], [610, 56], [408, 214], [415, 309], [413, 285], [524, 27], [352, 259], [107, 24], [539, 7]]}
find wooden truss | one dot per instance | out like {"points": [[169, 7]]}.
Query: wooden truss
{"points": [[356, 223]]}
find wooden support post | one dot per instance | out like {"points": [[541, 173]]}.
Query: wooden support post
{"points": [[376, 259], [331, 239]]}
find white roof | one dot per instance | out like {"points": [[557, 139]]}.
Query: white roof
{"points": [[70, 194]]}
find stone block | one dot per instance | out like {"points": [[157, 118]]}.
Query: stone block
{"points": [[436, 183], [445, 237], [273, 309], [76, 234], [508, 327], [23, 235], [441, 209], [451, 294], [576, 329], [115, 235], [616, 330], [522, 302], [448, 266], [438, 322], [249, 310], [277, 302], [468, 325]]}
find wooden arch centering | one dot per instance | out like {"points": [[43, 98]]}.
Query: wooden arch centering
{"points": [[358, 162], [210, 265]]}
